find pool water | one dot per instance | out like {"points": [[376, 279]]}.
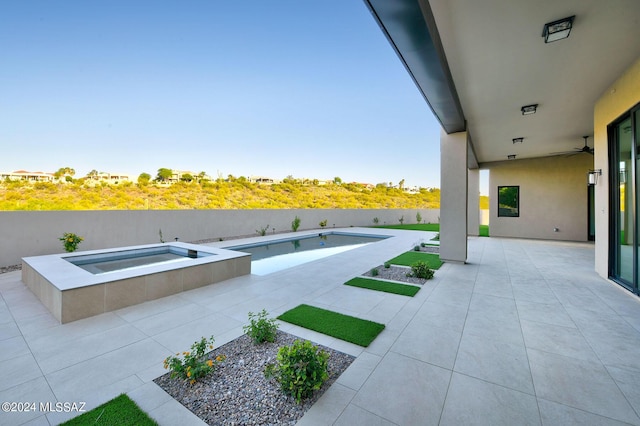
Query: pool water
{"points": [[129, 259], [282, 254]]}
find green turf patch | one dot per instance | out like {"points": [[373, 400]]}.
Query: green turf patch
{"points": [[431, 227], [344, 327], [484, 230], [387, 287], [121, 411], [409, 258]]}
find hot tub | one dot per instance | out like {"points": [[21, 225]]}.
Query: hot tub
{"points": [[79, 285]]}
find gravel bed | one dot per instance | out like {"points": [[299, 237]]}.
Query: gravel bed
{"points": [[237, 393], [395, 273], [10, 268], [399, 273]]}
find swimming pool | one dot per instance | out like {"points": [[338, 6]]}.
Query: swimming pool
{"points": [[276, 255]]}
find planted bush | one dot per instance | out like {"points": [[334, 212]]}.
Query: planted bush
{"points": [[260, 328], [295, 224], [70, 241], [262, 231], [374, 272], [387, 265], [193, 366], [300, 369], [420, 269]]}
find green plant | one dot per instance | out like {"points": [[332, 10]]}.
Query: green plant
{"points": [[401, 220], [323, 223], [420, 269], [418, 217], [387, 265], [374, 272], [300, 369], [70, 241], [436, 238], [193, 366], [261, 329], [416, 248], [160, 234], [295, 224], [263, 231], [376, 220]]}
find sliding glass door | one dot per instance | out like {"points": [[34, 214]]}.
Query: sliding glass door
{"points": [[624, 180]]}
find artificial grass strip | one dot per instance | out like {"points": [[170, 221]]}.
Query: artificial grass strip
{"points": [[121, 411], [430, 227], [387, 287], [344, 327], [411, 257]]}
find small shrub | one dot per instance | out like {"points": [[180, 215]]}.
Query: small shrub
{"points": [[416, 248], [376, 220], [420, 269], [374, 272], [387, 265], [300, 369], [323, 223], [70, 241], [261, 329], [418, 217], [401, 220], [436, 238], [160, 234], [262, 231], [193, 366], [295, 224]]}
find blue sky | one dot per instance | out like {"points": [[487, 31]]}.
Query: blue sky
{"points": [[302, 88]]}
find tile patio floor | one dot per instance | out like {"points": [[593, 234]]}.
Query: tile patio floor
{"points": [[525, 333]]}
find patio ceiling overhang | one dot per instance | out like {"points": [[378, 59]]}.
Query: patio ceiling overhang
{"points": [[477, 63]]}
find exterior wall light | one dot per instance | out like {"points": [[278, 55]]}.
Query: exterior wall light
{"points": [[529, 109], [593, 176], [511, 157], [557, 30], [517, 140]]}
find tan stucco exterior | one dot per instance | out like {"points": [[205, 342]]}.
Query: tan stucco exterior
{"points": [[621, 96], [553, 195]]}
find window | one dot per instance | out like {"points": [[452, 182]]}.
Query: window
{"points": [[508, 201]]}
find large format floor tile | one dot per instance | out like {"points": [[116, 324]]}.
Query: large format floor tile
{"points": [[525, 333]]}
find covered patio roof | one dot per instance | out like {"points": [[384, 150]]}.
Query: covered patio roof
{"points": [[478, 63]]}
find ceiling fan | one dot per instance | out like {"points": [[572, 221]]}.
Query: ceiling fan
{"points": [[585, 149]]}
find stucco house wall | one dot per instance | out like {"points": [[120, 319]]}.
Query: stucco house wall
{"points": [[553, 195], [620, 97]]}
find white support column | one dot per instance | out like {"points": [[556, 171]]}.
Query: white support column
{"points": [[473, 205], [453, 196]]}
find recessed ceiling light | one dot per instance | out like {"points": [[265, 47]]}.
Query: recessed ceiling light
{"points": [[557, 30], [529, 109], [517, 140]]}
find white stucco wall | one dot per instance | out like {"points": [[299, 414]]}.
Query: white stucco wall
{"points": [[35, 233], [620, 97], [553, 194]]}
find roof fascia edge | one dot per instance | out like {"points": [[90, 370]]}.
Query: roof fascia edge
{"points": [[447, 109]]}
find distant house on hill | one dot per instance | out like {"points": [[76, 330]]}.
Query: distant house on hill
{"points": [[28, 176]]}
